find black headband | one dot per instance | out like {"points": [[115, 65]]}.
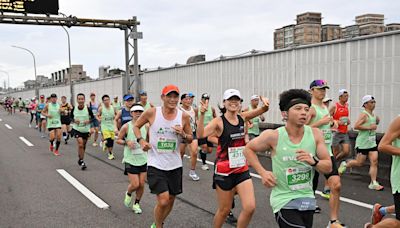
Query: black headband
{"points": [[295, 102]]}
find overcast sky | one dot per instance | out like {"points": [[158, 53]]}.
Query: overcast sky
{"points": [[173, 30]]}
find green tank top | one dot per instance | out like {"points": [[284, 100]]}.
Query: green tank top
{"points": [[117, 106], [107, 118], [294, 178], [326, 129], [208, 116], [82, 116], [147, 106], [54, 111], [366, 139], [137, 156], [255, 130], [395, 170]]}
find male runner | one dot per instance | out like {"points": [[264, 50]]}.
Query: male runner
{"points": [[123, 116], [186, 106], [340, 113], [81, 117], [254, 126], [65, 118], [366, 146], [205, 145], [297, 150], [94, 125], [390, 144], [39, 116], [168, 127], [106, 116], [319, 117], [116, 104], [52, 112], [143, 100]]}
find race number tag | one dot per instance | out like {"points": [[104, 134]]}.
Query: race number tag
{"points": [[54, 122], [137, 150], [108, 118], [372, 136], [298, 177], [236, 157], [82, 124], [344, 120], [327, 135], [165, 145]]}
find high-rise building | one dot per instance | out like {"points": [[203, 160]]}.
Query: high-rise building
{"points": [[331, 32]]}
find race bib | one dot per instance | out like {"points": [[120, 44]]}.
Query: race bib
{"points": [[372, 137], [82, 124], [33, 112], [165, 145], [298, 177], [345, 120], [54, 122], [108, 118], [327, 135], [137, 149], [236, 157]]}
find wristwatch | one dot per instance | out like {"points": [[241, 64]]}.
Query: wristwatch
{"points": [[138, 139], [316, 159]]}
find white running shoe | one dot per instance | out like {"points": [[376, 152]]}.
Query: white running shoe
{"points": [[204, 167]]}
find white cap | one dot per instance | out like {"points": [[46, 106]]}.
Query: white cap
{"points": [[137, 108], [326, 99], [366, 98], [342, 91], [255, 97], [231, 93]]}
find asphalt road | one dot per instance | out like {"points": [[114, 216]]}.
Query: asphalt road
{"points": [[34, 194]]}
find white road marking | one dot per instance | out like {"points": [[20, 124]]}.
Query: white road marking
{"points": [[25, 141], [85, 191], [8, 126], [343, 199], [1, 120]]}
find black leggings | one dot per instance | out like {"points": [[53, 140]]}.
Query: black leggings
{"points": [[396, 197], [292, 218]]}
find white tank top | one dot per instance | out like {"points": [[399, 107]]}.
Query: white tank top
{"points": [[192, 115], [164, 153]]}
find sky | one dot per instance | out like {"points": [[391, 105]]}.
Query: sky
{"points": [[173, 30]]}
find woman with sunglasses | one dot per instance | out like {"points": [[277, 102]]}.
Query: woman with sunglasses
{"points": [[366, 146], [135, 159], [232, 174]]}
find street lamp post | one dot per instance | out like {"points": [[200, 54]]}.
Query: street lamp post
{"points": [[34, 66], [8, 78], [70, 65]]}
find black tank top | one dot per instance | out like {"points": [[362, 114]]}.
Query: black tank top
{"points": [[232, 136]]}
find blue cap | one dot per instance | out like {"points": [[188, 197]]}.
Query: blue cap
{"points": [[127, 97], [142, 92], [190, 94]]}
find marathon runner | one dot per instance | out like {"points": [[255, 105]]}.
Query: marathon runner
{"points": [[135, 159], [168, 127], [297, 150], [231, 170], [15, 105], [254, 126], [206, 146], [116, 104], [106, 116], [340, 113], [65, 118], [52, 112], [123, 116], [366, 146], [40, 117], [186, 106], [21, 104], [94, 125], [390, 144], [32, 110], [81, 117], [143, 100], [319, 117]]}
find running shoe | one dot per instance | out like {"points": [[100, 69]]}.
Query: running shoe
{"points": [[136, 208], [94, 144], [83, 165], [56, 153], [153, 225], [30, 125], [336, 224], [36, 127], [204, 167], [376, 216], [111, 156], [317, 209], [375, 186], [193, 175], [326, 193], [51, 147], [104, 146], [342, 167], [231, 218], [127, 200]]}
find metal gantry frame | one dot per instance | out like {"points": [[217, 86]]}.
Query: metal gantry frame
{"points": [[131, 36]]}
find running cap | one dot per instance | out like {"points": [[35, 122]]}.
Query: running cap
{"points": [[53, 95], [342, 91], [169, 89], [205, 96], [184, 96], [41, 96], [231, 93], [190, 94], [326, 99], [254, 97], [128, 97], [319, 84], [33, 98], [142, 93], [366, 98], [137, 107], [92, 94]]}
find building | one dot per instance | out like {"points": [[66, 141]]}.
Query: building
{"points": [[308, 28], [77, 74], [29, 84], [42, 81], [330, 32], [103, 72], [392, 27], [350, 31], [369, 24], [279, 38]]}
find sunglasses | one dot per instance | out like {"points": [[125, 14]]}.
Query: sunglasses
{"points": [[137, 111]]}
